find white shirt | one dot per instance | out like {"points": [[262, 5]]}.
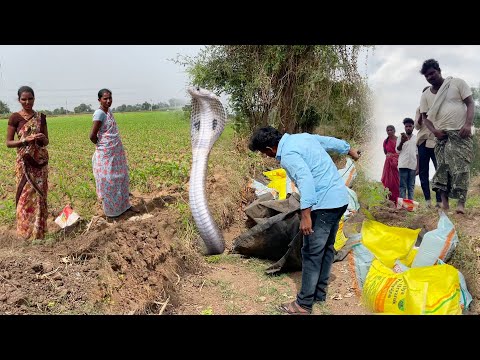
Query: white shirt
{"points": [[408, 156]]}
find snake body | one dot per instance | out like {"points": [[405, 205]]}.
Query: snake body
{"points": [[207, 122]]}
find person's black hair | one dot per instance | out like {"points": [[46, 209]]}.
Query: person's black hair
{"points": [[385, 141], [103, 91], [263, 138], [408, 121], [25, 89], [430, 63]]}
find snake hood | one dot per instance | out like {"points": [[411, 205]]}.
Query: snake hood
{"points": [[208, 118]]}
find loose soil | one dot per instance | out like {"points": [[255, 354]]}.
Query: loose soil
{"points": [[140, 263]]}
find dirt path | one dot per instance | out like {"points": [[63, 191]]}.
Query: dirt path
{"points": [[136, 265], [234, 285]]}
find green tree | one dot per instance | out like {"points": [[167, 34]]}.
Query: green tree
{"points": [[83, 108], [4, 109], [293, 87], [60, 111], [146, 106], [175, 103], [121, 108]]}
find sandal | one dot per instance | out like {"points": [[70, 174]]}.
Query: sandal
{"points": [[294, 309]]}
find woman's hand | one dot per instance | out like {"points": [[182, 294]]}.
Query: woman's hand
{"points": [[34, 137], [40, 136], [30, 138]]}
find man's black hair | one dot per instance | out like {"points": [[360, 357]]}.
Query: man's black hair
{"points": [[430, 63], [263, 138]]}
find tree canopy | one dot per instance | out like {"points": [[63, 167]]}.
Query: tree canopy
{"points": [[292, 87]]}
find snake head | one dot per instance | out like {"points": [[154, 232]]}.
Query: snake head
{"points": [[198, 92]]}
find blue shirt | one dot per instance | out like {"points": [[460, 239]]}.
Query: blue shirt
{"points": [[306, 161]]}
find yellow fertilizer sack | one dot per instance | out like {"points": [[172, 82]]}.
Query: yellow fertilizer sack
{"points": [[340, 238], [430, 290], [433, 290], [388, 243], [280, 182], [384, 290]]}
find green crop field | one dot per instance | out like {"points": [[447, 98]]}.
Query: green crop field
{"points": [[158, 153]]}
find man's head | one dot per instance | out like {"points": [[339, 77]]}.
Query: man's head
{"points": [[432, 72], [408, 125], [265, 140]]}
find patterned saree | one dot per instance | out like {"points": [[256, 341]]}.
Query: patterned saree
{"points": [[32, 184]]}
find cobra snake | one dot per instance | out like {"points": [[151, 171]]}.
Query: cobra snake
{"points": [[207, 123]]}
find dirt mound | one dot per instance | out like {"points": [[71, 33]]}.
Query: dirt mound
{"points": [[129, 266]]}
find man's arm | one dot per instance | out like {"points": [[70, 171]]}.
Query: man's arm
{"points": [[299, 172], [400, 142], [438, 133], [428, 123], [466, 129], [331, 144], [418, 120]]}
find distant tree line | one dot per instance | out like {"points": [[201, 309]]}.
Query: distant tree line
{"points": [[84, 108]]}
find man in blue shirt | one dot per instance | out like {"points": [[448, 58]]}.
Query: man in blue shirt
{"points": [[323, 200]]}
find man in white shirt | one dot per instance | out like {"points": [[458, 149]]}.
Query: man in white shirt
{"points": [[447, 110], [407, 159]]}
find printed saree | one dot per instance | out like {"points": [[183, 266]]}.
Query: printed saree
{"points": [[110, 169], [32, 183], [390, 176]]}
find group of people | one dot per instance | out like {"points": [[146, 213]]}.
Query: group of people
{"points": [[401, 162], [444, 122], [444, 118], [108, 162]]}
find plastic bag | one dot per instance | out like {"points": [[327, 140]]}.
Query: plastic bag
{"points": [[409, 205], [437, 244], [348, 173], [67, 217], [388, 243], [280, 182]]}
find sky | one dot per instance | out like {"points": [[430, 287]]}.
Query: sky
{"points": [[68, 75]]}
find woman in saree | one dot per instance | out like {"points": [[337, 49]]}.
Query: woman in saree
{"points": [[390, 176], [31, 166], [109, 163]]}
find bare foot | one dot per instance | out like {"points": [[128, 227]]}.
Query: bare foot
{"points": [[460, 209], [134, 209]]}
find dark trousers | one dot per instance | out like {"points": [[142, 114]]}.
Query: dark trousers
{"points": [[317, 255], [424, 156]]}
